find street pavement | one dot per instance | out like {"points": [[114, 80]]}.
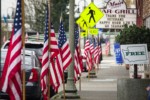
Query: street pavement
{"points": [[104, 87]]}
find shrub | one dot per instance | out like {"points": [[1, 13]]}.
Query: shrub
{"points": [[134, 35]]}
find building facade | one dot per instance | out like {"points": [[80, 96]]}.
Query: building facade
{"points": [[146, 13]]}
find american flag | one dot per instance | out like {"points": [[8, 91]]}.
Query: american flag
{"points": [[88, 55], [77, 56], [11, 76], [45, 60], [63, 45], [56, 69], [97, 52], [91, 46], [107, 46]]}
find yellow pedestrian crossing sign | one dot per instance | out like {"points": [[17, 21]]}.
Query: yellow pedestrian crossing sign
{"points": [[84, 34], [93, 31], [82, 23], [92, 14]]}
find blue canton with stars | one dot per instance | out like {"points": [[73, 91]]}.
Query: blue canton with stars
{"points": [[18, 19], [46, 26], [62, 36], [76, 35]]}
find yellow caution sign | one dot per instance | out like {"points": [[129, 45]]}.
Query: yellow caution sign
{"points": [[93, 31], [84, 34], [82, 23], [92, 14]]}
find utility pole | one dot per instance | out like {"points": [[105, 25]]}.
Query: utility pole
{"points": [[71, 91]]}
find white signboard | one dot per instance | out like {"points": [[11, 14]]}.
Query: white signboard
{"points": [[135, 54], [116, 15]]}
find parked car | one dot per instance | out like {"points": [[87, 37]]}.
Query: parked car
{"points": [[29, 45], [32, 67]]}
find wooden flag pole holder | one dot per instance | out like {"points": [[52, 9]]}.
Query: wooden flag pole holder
{"points": [[80, 53], [23, 44], [80, 83], [63, 81], [49, 29]]}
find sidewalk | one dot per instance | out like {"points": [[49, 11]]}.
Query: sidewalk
{"points": [[104, 87]]}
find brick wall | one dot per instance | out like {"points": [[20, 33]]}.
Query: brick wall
{"points": [[146, 8]]}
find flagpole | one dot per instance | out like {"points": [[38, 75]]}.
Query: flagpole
{"points": [[23, 44], [88, 66], [79, 53], [63, 79], [64, 87], [49, 29]]}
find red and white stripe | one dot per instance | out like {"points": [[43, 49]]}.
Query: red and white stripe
{"points": [[107, 47], [88, 55], [11, 76], [97, 54], [91, 48], [44, 71], [56, 69], [66, 55]]}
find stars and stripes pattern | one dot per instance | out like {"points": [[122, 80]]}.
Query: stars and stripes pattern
{"points": [[63, 45], [91, 46], [56, 69], [97, 52], [11, 76], [45, 60], [88, 55], [107, 48], [77, 56]]}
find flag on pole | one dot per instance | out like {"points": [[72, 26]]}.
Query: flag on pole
{"points": [[56, 69], [77, 57], [45, 60], [63, 45], [88, 55], [97, 52], [107, 48], [11, 76], [91, 46]]}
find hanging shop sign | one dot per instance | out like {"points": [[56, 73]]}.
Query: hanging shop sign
{"points": [[116, 15]]}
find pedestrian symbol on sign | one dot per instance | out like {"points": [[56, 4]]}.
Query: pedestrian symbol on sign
{"points": [[84, 23], [92, 13]]}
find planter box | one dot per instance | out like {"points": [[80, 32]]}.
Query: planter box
{"points": [[132, 89]]}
